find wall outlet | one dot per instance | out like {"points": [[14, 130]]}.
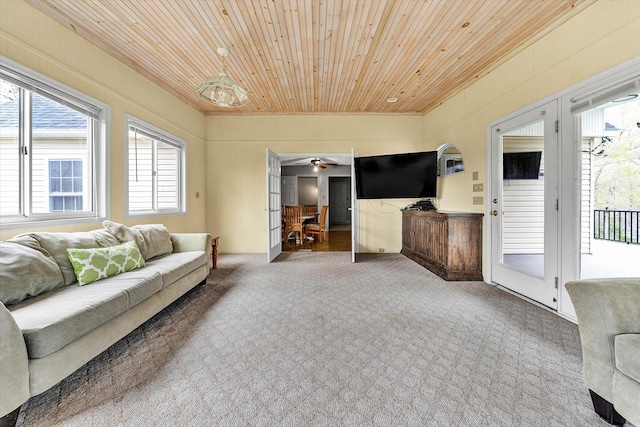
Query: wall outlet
{"points": [[381, 250], [478, 200], [197, 194], [478, 188]]}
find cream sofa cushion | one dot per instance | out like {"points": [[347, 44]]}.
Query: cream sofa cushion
{"points": [[56, 244], [152, 239], [174, 266], [50, 321], [24, 258]]}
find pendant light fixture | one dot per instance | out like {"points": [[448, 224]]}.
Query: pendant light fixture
{"points": [[222, 90]]}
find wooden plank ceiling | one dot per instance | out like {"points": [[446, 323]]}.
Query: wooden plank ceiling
{"points": [[314, 56]]}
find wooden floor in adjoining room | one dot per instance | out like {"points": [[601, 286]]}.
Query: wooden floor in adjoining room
{"points": [[335, 241]]}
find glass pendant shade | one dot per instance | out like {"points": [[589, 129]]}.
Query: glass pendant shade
{"points": [[221, 90]]}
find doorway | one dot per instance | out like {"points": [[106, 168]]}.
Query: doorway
{"points": [[523, 215], [340, 203], [610, 179], [566, 224], [301, 177]]}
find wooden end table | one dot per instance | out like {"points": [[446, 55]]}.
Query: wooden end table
{"points": [[214, 250]]}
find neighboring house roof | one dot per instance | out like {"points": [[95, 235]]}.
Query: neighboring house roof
{"points": [[47, 114], [609, 127]]}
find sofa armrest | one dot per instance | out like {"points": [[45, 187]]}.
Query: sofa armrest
{"points": [[14, 364], [605, 308], [189, 242]]}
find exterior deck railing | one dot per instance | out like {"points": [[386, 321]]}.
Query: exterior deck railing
{"points": [[616, 226]]}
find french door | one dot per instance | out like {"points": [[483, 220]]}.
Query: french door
{"points": [[523, 204], [600, 209], [274, 202], [355, 238], [273, 205]]}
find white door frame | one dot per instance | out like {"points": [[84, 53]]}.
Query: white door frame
{"points": [[274, 216], [355, 229], [609, 83], [569, 185], [355, 232], [542, 289]]}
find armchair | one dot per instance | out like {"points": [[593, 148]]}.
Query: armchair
{"points": [[608, 312]]}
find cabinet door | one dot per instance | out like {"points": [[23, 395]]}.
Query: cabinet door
{"points": [[422, 227], [438, 240], [408, 233], [465, 244]]}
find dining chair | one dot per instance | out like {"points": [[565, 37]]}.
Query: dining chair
{"points": [[318, 228], [309, 214], [309, 210], [293, 221]]}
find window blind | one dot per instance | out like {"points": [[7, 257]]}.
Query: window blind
{"points": [[154, 134], [609, 93], [47, 91]]}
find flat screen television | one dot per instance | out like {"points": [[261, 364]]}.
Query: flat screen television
{"points": [[523, 165], [397, 176]]}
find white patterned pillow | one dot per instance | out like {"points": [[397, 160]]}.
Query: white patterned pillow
{"points": [[98, 263]]}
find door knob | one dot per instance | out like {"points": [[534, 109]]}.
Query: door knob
{"points": [[494, 212]]}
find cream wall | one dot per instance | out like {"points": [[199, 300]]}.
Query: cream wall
{"points": [[600, 37], [603, 35], [34, 40], [236, 169], [227, 167]]}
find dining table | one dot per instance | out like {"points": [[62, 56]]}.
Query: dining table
{"points": [[309, 218]]}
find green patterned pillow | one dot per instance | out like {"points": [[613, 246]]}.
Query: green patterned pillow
{"points": [[98, 263]]}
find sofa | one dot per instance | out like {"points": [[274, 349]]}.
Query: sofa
{"points": [[67, 297], [608, 312]]}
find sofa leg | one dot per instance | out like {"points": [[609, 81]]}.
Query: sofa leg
{"points": [[11, 418], [605, 410]]}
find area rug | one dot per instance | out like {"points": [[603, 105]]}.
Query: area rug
{"points": [[314, 340]]}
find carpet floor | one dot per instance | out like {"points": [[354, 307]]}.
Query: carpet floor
{"points": [[313, 340]]}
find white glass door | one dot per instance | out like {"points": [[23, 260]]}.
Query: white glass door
{"points": [[601, 183], [523, 205], [273, 205], [354, 210], [610, 188]]}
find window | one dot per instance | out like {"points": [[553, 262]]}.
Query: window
{"points": [[52, 151], [156, 164], [65, 185]]}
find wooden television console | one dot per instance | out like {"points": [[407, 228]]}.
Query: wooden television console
{"points": [[447, 243]]}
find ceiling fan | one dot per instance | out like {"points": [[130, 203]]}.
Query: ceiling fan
{"points": [[318, 163]]}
